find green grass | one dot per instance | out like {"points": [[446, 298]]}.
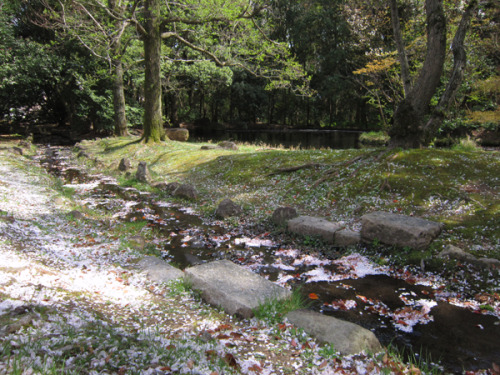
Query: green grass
{"points": [[273, 311], [459, 188]]}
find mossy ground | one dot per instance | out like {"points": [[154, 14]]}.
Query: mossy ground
{"points": [[459, 188]]}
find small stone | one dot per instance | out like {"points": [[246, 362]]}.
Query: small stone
{"points": [[158, 270], [455, 252], [282, 214], [348, 338], [186, 191], [314, 226], [209, 147], [228, 145], [228, 208], [137, 242], [142, 173], [125, 165]]}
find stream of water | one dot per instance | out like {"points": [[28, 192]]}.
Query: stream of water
{"points": [[402, 310]]}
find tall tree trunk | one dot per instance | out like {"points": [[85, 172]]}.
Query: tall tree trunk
{"points": [[459, 63], [153, 122], [410, 114], [398, 39], [120, 117]]}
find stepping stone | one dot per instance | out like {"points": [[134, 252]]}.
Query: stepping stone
{"points": [[348, 338], [237, 290], [314, 226], [158, 270], [346, 237], [399, 230]]}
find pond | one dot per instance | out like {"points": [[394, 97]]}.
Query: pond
{"points": [[414, 313], [299, 138]]}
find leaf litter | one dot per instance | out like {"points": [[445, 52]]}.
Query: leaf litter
{"points": [[79, 283]]}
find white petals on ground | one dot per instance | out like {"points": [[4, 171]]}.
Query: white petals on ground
{"points": [[86, 307]]}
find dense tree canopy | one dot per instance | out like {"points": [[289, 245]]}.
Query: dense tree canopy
{"points": [[108, 65]]}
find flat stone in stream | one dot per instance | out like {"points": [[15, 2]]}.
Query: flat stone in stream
{"points": [[399, 230], [158, 270], [314, 226], [348, 338], [232, 287]]}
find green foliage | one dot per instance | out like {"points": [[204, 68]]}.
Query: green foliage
{"points": [[273, 311], [466, 144], [374, 138]]}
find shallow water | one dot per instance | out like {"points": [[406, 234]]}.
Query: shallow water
{"points": [[411, 317]]}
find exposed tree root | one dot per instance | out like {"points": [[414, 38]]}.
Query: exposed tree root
{"points": [[296, 168]]}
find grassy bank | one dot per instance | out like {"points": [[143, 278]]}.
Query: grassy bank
{"points": [[459, 188]]}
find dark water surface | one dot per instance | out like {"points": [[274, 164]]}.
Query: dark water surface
{"points": [[301, 138], [455, 337]]}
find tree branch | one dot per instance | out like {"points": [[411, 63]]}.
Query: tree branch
{"points": [[398, 38]]}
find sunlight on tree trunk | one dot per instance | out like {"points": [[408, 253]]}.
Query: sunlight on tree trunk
{"points": [[119, 101], [153, 122]]}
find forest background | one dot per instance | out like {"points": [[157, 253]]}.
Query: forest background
{"points": [[87, 65]]}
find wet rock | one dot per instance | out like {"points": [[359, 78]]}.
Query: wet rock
{"points": [[142, 173], [158, 270], [177, 134], [346, 237], [208, 147], [77, 215], [232, 287], [314, 226], [399, 230], [228, 208], [125, 165], [186, 191], [137, 242], [228, 145], [282, 214], [348, 338]]}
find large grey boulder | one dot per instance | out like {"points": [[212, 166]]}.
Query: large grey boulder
{"points": [[282, 215], [348, 338], [142, 173], [228, 208], [399, 230], [158, 270], [314, 226], [232, 287], [177, 134]]}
